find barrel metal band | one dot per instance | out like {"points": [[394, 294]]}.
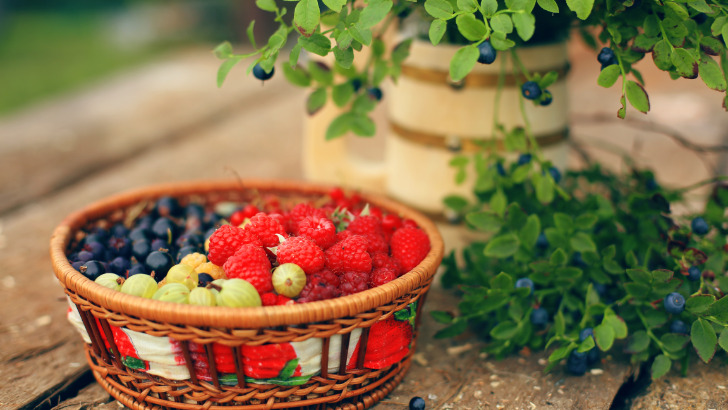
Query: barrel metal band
{"points": [[479, 80], [467, 145]]}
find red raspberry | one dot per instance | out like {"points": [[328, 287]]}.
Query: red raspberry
{"points": [[317, 288], [284, 300], [409, 246], [366, 225], [326, 276], [266, 228], [353, 282], [409, 223], [349, 255], [320, 230], [303, 252], [336, 194], [382, 260], [381, 276], [301, 211], [269, 299], [390, 223], [250, 263], [226, 240], [340, 236]]}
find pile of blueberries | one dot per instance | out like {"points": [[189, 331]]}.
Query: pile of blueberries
{"points": [[156, 241]]}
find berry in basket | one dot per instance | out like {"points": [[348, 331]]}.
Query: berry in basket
{"points": [[296, 254]]}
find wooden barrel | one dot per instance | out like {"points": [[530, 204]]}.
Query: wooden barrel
{"points": [[432, 120]]}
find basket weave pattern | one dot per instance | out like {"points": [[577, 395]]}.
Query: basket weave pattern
{"points": [[349, 384]]}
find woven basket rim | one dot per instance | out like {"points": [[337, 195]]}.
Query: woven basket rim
{"points": [[226, 317]]}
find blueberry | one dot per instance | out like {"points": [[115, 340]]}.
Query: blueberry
{"points": [[77, 265], [375, 93], [92, 269], [159, 262], [525, 283], [539, 317], [652, 185], [139, 233], [531, 90], [586, 332], [96, 248], [555, 174], [140, 249], [184, 251], [119, 265], [674, 303], [203, 279], [542, 242], [164, 228], [145, 222], [600, 288], [195, 211], [606, 57], [119, 231], [190, 239], [98, 234], [678, 326], [592, 356], [260, 74], [209, 233], [159, 244], [524, 159], [700, 18], [137, 269], [487, 53], [699, 226], [500, 169], [547, 98], [577, 363], [417, 403], [356, 83], [84, 256], [168, 206], [694, 273], [120, 247]]}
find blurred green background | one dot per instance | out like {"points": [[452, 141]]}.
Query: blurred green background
{"points": [[51, 47]]}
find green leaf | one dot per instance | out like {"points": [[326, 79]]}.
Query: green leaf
{"points": [[585, 221], [339, 126], [316, 100], [294, 55], [439, 9], [316, 44], [660, 366], [549, 5], [719, 309], [711, 74], [560, 353], [558, 257], [701, 6], [559, 323], [529, 233], [563, 222], [223, 51], [699, 303], [516, 4], [609, 76], [442, 317], [363, 126], [486, 221], [502, 246], [586, 345], [617, 324], [548, 79], [288, 370], [582, 8], [637, 96], [677, 10], [467, 5], [463, 62], [335, 5], [251, 34], [674, 342], [639, 276], [501, 23], [502, 281], [224, 70], [437, 30], [455, 202], [685, 63], [297, 76], [267, 5], [453, 330], [604, 335], [320, 73], [637, 290], [704, 339], [489, 7], [638, 342], [360, 34], [504, 330], [723, 340], [544, 188], [662, 55], [342, 93], [582, 242], [470, 27], [374, 12], [498, 203], [306, 16], [499, 41], [525, 25], [345, 57]]}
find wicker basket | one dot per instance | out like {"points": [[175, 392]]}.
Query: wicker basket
{"points": [[336, 333]]}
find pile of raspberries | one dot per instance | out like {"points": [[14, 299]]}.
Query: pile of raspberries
{"points": [[342, 252]]}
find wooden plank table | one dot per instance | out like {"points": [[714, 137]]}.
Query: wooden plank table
{"points": [[168, 122]]}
